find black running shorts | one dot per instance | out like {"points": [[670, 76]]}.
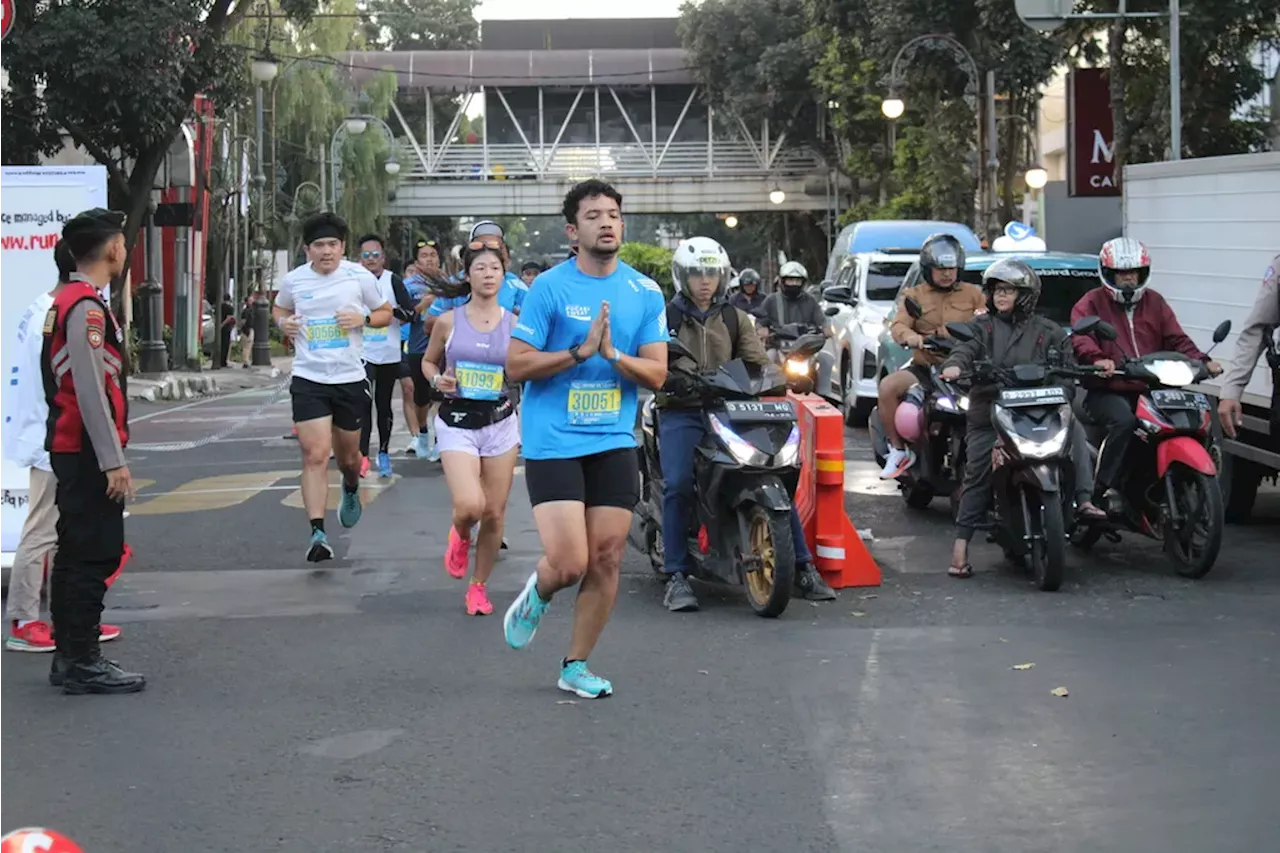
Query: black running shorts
{"points": [[347, 403], [423, 393], [611, 478]]}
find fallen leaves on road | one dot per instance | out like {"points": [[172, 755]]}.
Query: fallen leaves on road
{"points": [[1021, 666], [868, 596], [567, 702], [856, 613], [1060, 692], [703, 672]]}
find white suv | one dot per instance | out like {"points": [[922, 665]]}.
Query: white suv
{"points": [[868, 284]]}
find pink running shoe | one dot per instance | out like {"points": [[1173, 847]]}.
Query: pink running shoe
{"points": [[364, 466], [478, 600], [458, 555]]}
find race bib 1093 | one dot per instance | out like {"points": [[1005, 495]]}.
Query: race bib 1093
{"points": [[478, 381]]}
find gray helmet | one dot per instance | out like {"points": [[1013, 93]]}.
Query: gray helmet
{"points": [[940, 251], [1013, 273]]}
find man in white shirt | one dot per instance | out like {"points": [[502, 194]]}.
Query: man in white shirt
{"points": [[25, 428], [324, 306]]}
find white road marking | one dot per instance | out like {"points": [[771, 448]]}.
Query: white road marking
{"points": [[202, 402]]}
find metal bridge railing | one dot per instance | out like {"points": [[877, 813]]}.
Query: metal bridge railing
{"points": [[679, 159]]}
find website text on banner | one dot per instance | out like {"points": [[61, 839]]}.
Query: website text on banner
{"points": [[839, 553], [34, 203]]}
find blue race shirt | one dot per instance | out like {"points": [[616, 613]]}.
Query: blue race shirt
{"points": [[510, 296], [416, 285], [589, 408]]}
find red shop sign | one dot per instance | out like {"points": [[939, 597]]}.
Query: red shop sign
{"points": [[1090, 134]]}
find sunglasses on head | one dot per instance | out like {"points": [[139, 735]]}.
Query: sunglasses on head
{"points": [[369, 255], [485, 243], [432, 243]]}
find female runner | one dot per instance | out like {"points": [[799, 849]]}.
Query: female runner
{"points": [[477, 431]]}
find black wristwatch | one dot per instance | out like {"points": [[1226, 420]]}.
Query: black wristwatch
{"points": [[573, 353]]}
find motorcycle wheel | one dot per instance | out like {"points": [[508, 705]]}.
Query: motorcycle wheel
{"points": [[1049, 555], [769, 537], [917, 497], [1199, 498]]}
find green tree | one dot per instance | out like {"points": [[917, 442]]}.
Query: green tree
{"points": [[422, 24], [118, 78]]}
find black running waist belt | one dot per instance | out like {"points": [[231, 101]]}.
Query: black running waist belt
{"points": [[475, 414]]}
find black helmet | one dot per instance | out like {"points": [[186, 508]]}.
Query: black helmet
{"points": [[940, 251], [748, 276], [1012, 272]]}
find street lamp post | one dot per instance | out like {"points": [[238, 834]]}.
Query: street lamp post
{"points": [[264, 70], [893, 106], [354, 125]]}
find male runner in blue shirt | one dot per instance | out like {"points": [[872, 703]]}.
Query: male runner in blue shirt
{"points": [[591, 331]]}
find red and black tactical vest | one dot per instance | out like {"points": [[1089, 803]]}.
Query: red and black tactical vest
{"points": [[66, 433]]}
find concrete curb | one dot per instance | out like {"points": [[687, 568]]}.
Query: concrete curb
{"points": [[171, 386]]}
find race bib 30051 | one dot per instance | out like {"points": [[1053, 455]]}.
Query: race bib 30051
{"points": [[478, 381], [593, 404], [373, 335], [326, 334]]}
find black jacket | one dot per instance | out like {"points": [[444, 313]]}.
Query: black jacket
{"points": [[803, 309], [1007, 343], [402, 306]]}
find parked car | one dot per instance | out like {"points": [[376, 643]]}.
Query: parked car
{"points": [[1065, 276], [871, 260]]}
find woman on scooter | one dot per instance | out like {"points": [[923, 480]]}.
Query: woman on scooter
{"points": [[1009, 334]]}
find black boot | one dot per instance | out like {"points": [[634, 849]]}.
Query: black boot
{"points": [[811, 584], [57, 669], [90, 672]]}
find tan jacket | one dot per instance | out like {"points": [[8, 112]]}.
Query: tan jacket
{"points": [[713, 346], [1252, 340], [954, 305]]}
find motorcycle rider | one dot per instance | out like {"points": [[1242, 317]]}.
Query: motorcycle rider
{"points": [[1010, 334], [789, 303], [943, 299], [701, 318], [1146, 324], [749, 297]]}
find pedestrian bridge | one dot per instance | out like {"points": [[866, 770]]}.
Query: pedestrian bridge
{"points": [[554, 117]]}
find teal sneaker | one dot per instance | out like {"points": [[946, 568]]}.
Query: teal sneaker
{"points": [[350, 510], [319, 549], [524, 614], [576, 678]]}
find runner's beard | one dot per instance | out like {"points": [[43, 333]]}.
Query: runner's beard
{"points": [[604, 253]]}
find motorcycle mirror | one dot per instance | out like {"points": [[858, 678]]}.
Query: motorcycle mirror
{"points": [[1220, 333], [913, 308], [831, 311], [960, 331], [675, 349], [1104, 331], [1086, 325]]}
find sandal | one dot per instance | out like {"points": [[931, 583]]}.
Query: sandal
{"points": [[965, 571], [1089, 512]]}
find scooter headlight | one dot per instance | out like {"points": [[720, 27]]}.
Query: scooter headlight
{"points": [[1030, 448], [743, 451], [1173, 373], [946, 404], [790, 451], [797, 367], [964, 403]]}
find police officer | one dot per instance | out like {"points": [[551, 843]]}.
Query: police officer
{"points": [[83, 363], [1251, 342]]}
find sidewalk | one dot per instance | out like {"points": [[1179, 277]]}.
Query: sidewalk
{"points": [[189, 384]]}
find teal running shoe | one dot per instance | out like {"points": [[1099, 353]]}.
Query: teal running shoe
{"points": [[319, 549], [350, 510], [524, 614], [576, 678]]}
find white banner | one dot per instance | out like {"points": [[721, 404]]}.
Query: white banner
{"points": [[35, 201]]}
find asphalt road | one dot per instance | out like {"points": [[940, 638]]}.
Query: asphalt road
{"points": [[358, 708]]}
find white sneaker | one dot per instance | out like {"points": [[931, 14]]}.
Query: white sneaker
{"points": [[897, 463]]}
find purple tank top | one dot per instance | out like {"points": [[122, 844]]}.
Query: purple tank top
{"points": [[478, 359]]}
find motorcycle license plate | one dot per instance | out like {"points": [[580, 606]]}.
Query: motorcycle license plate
{"points": [[1180, 400], [1032, 396], [758, 410]]}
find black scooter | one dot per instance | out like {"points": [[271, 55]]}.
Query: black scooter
{"points": [[1032, 477], [745, 473], [799, 351]]}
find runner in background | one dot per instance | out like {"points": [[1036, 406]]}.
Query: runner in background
{"points": [[382, 356], [427, 257], [406, 373], [477, 432], [529, 271], [324, 306]]}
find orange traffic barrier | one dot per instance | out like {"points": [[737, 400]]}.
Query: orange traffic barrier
{"points": [[839, 553]]}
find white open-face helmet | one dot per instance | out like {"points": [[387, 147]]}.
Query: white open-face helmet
{"points": [[1124, 254], [700, 256]]}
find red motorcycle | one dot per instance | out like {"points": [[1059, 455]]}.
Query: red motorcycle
{"points": [[1170, 489]]}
